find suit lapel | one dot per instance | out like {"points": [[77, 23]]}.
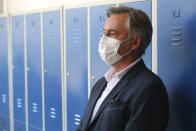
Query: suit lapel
{"points": [[92, 101], [121, 84]]}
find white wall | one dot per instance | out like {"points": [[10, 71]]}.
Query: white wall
{"points": [[26, 5]]}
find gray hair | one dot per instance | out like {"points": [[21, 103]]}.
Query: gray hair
{"points": [[138, 23]]}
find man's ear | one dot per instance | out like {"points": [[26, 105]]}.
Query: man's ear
{"points": [[136, 42]]}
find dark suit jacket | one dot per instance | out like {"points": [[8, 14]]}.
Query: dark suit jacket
{"points": [[139, 102]]}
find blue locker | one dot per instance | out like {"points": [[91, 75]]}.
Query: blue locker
{"points": [[97, 21], [52, 66], [4, 89], [147, 8], [18, 67], [77, 65], [19, 126], [34, 79], [176, 60], [4, 123]]}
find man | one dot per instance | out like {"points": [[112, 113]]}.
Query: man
{"points": [[129, 97]]}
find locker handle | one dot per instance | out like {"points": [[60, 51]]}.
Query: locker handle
{"points": [[68, 74], [45, 71], [28, 68], [13, 67], [93, 77]]}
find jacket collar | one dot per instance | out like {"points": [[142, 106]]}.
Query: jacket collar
{"points": [[99, 87]]}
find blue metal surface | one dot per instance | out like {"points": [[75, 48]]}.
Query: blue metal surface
{"points": [[176, 60], [4, 89], [52, 66], [33, 29], [34, 129], [4, 123], [147, 8], [18, 70], [97, 21], [19, 126], [77, 65]]}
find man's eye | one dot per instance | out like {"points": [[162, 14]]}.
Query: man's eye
{"points": [[110, 33], [113, 35]]}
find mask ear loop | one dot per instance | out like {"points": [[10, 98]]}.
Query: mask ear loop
{"points": [[127, 39], [131, 45], [127, 53]]}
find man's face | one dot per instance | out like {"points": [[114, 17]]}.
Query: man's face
{"points": [[115, 27]]}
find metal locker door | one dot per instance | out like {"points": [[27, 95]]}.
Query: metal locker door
{"points": [[4, 89], [34, 129], [18, 67], [52, 68], [19, 126], [97, 21], [34, 79], [4, 123], [176, 60], [77, 65], [147, 8]]}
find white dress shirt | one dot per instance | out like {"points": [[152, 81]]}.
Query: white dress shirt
{"points": [[112, 78]]}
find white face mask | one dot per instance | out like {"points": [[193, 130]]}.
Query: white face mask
{"points": [[108, 49]]}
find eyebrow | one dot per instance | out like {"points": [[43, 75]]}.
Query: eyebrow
{"points": [[110, 30]]}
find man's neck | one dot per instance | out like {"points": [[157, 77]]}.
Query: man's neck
{"points": [[123, 63]]}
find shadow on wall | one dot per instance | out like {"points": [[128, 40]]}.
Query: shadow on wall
{"points": [[183, 96]]}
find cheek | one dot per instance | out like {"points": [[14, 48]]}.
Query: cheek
{"points": [[124, 47]]}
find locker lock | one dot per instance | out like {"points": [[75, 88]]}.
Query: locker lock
{"points": [[28, 68], [68, 74], [45, 71], [13, 67], [93, 77]]}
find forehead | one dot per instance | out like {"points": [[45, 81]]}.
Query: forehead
{"points": [[116, 22]]}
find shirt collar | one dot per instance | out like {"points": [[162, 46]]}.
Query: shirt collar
{"points": [[112, 74]]}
